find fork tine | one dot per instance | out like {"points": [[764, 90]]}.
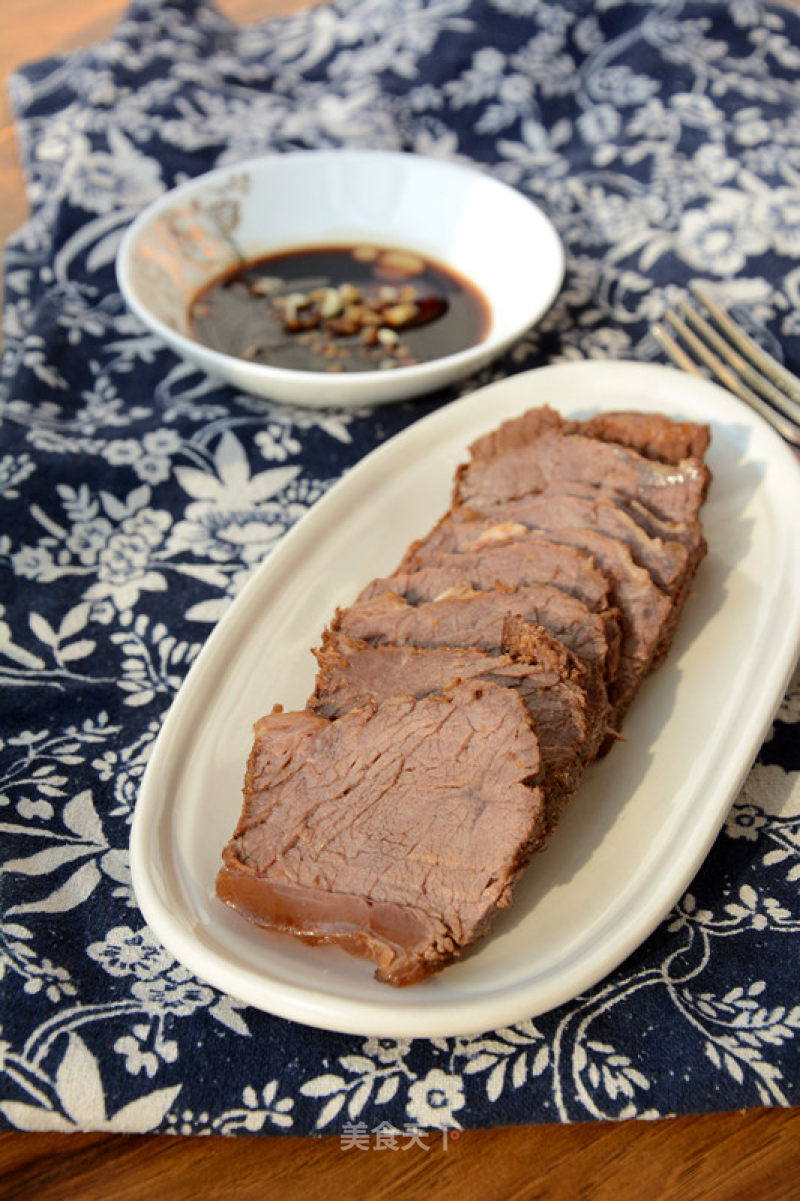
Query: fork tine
{"points": [[779, 420], [679, 356], [769, 377], [707, 356]]}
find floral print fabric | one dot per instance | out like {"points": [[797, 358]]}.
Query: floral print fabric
{"points": [[663, 139]]}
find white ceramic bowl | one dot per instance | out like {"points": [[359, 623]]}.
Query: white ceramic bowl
{"points": [[455, 215]]}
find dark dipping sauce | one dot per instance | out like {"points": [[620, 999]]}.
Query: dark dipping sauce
{"points": [[340, 308]]}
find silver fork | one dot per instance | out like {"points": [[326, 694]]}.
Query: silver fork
{"points": [[734, 358]]}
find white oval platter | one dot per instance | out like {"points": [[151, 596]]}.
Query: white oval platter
{"points": [[645, 817]]}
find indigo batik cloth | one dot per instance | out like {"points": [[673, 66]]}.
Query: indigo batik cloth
{"points": [[137, 496]]}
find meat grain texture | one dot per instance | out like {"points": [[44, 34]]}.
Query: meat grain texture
{"points": [[459, 700]]}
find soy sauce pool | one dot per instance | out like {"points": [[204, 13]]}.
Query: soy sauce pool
{"points": [[334, 308]]}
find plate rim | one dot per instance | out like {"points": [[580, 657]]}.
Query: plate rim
{"points": [[306, 1004]]}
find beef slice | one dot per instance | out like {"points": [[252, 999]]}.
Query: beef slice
{"points": [[396, 831]]}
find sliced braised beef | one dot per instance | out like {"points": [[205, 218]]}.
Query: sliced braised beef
{"points": [[669, 563], [651, 434], [674, 491], [533, 559], [647, 613], [397, 831], [471, 618], [458, 701], [568, 703], [518, 431], [688, 534]]}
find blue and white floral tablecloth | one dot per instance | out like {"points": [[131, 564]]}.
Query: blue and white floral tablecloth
{"points": [[663, 139]]}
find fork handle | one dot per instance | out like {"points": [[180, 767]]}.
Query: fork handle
{"points": [[786, 428]]}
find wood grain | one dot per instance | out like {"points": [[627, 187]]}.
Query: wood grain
{"points": [[747, 1156]]}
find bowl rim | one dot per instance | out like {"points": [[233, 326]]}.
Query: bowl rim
{"points": [[219, 362]]}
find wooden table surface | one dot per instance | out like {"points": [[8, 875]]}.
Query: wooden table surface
{"points": [[752, 1155]]}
